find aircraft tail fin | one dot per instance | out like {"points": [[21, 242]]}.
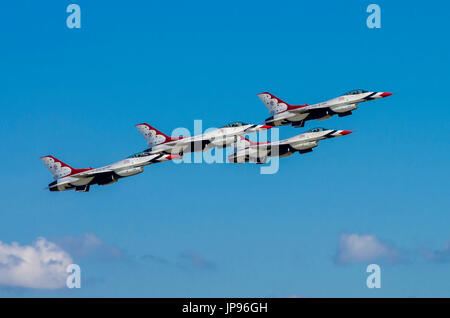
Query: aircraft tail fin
{"points": [[153, 136], [58, 168], [276, 105], [242, 143]]}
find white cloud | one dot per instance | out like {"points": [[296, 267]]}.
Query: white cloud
{"points": [[40, 265], [186, 260], [89, 245], [354, 248], [441, 255], [197, 260]]}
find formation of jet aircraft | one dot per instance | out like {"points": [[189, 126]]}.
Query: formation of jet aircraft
{"points": [[163, 148]]}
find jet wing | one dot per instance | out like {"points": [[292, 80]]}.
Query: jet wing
{"points": [[309, 108], [125, 164], [178, 146], [278, 119], [216, 136], [280, 146], [55, 184], [187, 141], [92, 173], [268, 146], [322, 106], [194, 143]]}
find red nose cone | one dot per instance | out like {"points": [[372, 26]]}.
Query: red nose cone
{"points": [[385, 94], [346, 132], [266, 127], [171, 157]]}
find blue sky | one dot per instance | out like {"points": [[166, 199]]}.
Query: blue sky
{"points": [[199, 230]]}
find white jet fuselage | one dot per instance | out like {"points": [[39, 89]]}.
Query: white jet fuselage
{"points": [[284, 114], [247, 151], [103, 175], [220, 138]]}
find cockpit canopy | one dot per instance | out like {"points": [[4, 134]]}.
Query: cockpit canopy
{"points": [[317, 129], [235, 124], [355, 92], [140, 154]]}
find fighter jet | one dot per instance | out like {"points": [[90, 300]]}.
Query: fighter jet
{"points": [[68, 178], [258, 152], [158, 142], [296, 115]]}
